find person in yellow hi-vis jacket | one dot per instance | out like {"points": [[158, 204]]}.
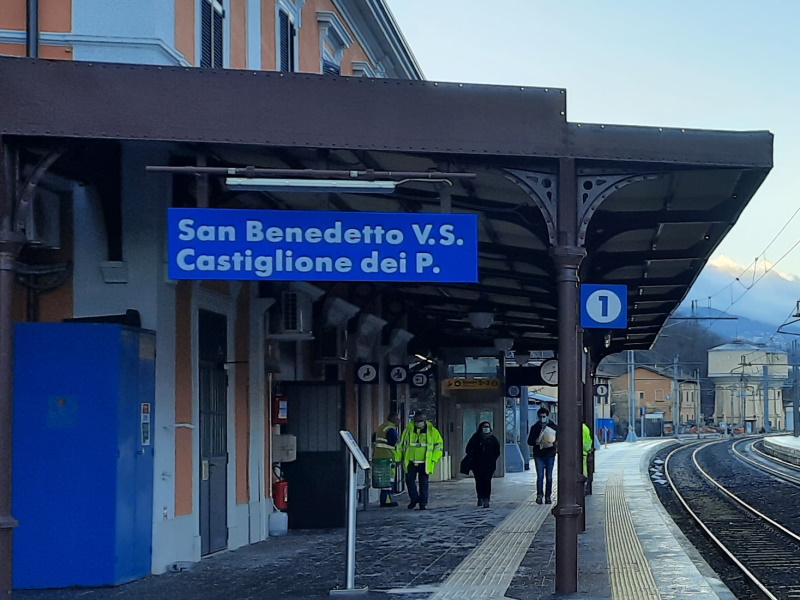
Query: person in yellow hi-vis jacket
{"points": [[421, 446], [588, 443]]}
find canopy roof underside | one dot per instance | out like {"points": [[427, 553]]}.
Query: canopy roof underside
{"points": [[660, 200]]}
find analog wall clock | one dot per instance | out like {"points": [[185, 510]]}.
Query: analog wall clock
{"points": [[549, 371]]}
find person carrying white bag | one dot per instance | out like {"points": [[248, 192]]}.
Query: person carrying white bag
{"points": [[542, 440]]}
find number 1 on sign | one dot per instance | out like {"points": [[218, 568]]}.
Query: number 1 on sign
{"points": [[603, 305]]}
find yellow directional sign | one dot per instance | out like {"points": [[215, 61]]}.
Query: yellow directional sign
{"points": [[472, 384]]}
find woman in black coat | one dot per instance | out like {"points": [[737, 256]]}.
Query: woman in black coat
{"points": [[483, 449]]}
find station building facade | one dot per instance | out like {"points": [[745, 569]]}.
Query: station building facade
{"points": [[227, 353]]}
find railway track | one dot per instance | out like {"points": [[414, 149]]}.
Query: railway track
{"points": [[765, 551]]}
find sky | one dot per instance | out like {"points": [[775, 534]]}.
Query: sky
{"points": [[706, 64]]}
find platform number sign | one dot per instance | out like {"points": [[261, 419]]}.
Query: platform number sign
{"points": [[367, 372], [398, 373], [601, 393], [604, 306]]}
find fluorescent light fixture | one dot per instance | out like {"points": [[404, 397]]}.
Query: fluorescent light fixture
{"points": [[350, 186]]}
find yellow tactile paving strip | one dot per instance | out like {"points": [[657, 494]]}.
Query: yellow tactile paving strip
{"points": [[489, 569], [631, 578]]}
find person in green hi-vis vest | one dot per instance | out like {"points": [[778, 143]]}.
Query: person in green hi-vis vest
{"points": [[385, 441], [420, 448], [588, 444]]}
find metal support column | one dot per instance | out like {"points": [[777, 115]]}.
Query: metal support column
{"points": [[631, 393], [589, 417], [795, 390], [676, 398], [567, 257], [580, 489], [10, 245], [767, 427], [32, 29]]}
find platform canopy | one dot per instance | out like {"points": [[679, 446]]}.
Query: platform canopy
{"points": [[653, 203]]}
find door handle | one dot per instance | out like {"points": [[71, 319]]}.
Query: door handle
{"points": [[205, 470]]}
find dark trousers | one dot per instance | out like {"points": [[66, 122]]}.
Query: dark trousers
{"points": [[386, 496], [420, 497], [483, 485], [544, 469]]}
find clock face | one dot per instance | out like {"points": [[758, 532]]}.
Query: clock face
{"points": [[549, 371]]}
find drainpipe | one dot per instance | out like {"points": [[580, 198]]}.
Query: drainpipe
{"points": [[10, 245], [567, 256], [32, 29]]}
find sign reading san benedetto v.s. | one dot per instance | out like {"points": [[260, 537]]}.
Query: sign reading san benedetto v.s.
{"points": [[285, 245]]}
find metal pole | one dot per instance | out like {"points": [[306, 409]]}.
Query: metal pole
{"points": [[580, 488], [766, 398], [795, 389], [10, 245], [631, 393], [32, 29], [676, 401], [351, 525], [567, 257], [698, 401]]}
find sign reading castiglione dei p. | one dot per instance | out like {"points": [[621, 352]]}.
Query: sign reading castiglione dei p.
{"points": [[285, 245]]}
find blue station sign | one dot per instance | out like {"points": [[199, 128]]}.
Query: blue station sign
{"points": [[604, 306], [287, 245]]}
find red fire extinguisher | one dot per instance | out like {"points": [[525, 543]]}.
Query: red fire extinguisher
{"points": [[280, 491]]}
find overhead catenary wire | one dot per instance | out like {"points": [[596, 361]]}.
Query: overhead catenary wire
{"points": [[763, 253]]}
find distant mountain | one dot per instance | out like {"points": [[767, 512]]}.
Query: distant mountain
{"points": [[731, 326], [762, 296]]}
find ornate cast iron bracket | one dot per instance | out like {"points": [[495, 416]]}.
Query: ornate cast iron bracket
{"points": [[594, 189], [543, 190]]}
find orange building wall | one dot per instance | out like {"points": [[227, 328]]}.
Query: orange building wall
{"points": [[268, 56], [353, 53], [242, 407], [185, 29], [309, 51], [183, 398], [648, 382], [54, 15], [45, 51], [238, 15]]}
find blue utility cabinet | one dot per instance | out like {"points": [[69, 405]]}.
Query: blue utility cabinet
{"points": [[83, 454]]}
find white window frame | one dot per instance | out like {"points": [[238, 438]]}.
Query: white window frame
{"points": [[362, 68], [333, 39], [294, 9]]}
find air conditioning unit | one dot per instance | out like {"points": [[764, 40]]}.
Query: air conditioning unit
{"points": [[331, 344], [294, 320]]}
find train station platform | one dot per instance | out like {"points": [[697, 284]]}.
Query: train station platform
{"points": [[785, 447], [631, 549]]}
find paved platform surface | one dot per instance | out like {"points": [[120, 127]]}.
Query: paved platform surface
{"points": [[784, 447], [457, 551], [787, 440]]}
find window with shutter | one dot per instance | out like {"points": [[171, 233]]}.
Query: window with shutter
{"points": [[286, 34], [211, 34], [330, 68]]}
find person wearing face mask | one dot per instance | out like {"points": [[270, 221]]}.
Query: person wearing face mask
{"points": [[483, 450], [542, 440], [421, 446]]}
